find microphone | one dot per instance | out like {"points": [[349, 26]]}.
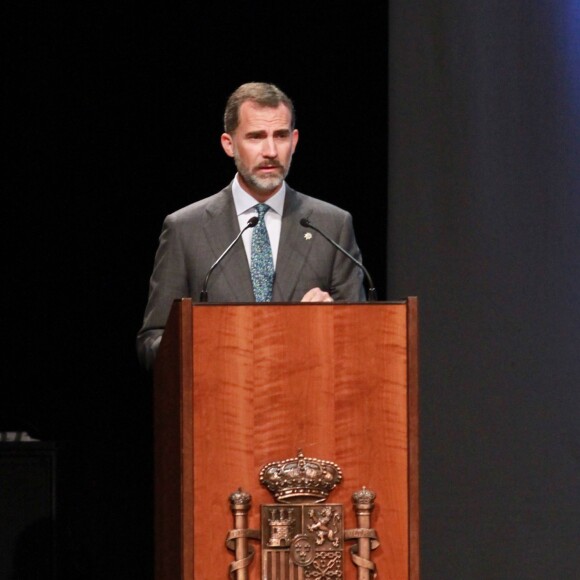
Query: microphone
{"points": [[372, 296], [251, 223]]}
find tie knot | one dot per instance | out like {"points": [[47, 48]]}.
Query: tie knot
{"points": [[262, 209]]}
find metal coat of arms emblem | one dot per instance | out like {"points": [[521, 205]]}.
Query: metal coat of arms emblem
{"points": [[301, 537]]}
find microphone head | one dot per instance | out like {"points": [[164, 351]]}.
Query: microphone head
{"points": [[253, 221], [305, 222]]}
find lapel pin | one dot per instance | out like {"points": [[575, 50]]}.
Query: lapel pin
{"points": [[307, 236]]}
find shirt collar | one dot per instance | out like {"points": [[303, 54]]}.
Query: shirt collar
{"points": [[245, 202]]}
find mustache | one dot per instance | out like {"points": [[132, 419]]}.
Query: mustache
{"points": [[269, 164]]}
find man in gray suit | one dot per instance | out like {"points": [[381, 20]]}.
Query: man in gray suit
{"points": [[261, 137]]}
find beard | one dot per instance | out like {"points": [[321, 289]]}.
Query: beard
{"points": [[262, 183]]}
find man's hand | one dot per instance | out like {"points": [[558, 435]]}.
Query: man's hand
{"points": [[317, 295]]}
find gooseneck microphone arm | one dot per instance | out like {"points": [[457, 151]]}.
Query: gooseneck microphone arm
{"points": [[372, 292], [251, 223]]}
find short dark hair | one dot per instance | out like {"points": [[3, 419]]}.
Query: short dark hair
{"points": [[263, 94]]}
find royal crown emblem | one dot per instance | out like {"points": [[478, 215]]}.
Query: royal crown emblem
{"points": [[300, 479]]}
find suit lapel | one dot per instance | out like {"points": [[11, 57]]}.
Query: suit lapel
{"points": [[221, 227], [293, 248]]}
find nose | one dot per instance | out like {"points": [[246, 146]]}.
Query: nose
{"points": [[269, 148]]}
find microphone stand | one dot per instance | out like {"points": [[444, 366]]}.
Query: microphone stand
{"points": [[372, 292], [203, 294]]}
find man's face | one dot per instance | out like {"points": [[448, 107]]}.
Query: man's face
{"points": [[262, 148]]}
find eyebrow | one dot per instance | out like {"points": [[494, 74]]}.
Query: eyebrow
{"points": [[277, 133]]}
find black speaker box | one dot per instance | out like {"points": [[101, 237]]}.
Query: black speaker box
{"points": [[27, 511]]}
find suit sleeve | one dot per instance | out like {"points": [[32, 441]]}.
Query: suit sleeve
{"points": [[168, 282]]}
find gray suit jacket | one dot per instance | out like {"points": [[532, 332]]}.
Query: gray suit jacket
{"points": [[194, 237]]}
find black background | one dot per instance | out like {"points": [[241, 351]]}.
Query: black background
{"points": [[114, 117]]}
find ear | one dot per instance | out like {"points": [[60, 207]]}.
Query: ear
{"points": [[294, 140], [227, 144]]}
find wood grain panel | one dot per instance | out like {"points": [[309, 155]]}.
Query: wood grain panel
{"points": [[330, 379]]}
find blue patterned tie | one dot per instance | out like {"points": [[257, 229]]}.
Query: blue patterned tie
{"points": [[262, 267]]}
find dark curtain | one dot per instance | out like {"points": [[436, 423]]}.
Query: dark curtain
{"points": [[484, 227]]}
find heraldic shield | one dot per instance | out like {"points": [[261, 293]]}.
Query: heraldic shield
{"points": [[302, 541], [301, 537]]}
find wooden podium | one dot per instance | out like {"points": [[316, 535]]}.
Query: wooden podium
{"points": [[238, 386]]}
